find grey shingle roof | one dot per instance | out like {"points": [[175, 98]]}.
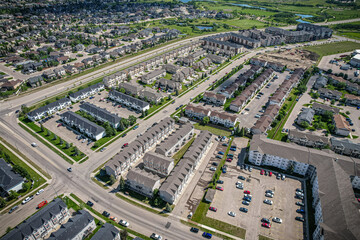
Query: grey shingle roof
{"points": [[8, 178], [73, 226], [106, 232], [143, 177], [88, 89], [46, 108], [128, 98], [103, 113], [197, 146], [82, 122], [36, 221]]}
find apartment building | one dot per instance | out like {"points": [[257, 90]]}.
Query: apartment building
{"points": [[174, 141], [107, 232], [77, 228], [352, 100], [143, 182], [184, 74], [198, 148], [49, 109], [129, 101], [320, 82], [223, 118], [306, 115], [85, 126], [151, 95], [168, 85], [131, 88], [101, 114], [153, 76], [332, 179], [86, 92], [158, 163], [330, 94], [319, 32], [214, 98], [42, 223], [197, 112]]}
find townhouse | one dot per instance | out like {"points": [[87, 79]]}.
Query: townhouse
{"points": [[183, 74], [101, 114], [262, 125], [158, 163], [107, 232], [223, 118], [77, 228], [136, 149], [332, 178], [216, 59], [142, 182], [151, 95], [345, 147], [213, 98], [230, 90], [258, 62], [330, 94], [85, 126], [306, 115], [131, 88], [275, 66], [203, 64], [198, 148], [319, 32], [86, 92], [320, 82], [129, 101], [342, 127], [35, 81], [114, 79], [320, 109], [171, 68], [198, 112], [290, 36], [239, 102], [168, 85], [9, 180], [175, 140], [352, 100], [42, 223], [153, 76], [48, 109], [308, 139]]}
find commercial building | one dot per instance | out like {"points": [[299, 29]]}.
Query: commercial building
{"points": [[77, 228], [42, 223], [332, 178], [101, 114], [85, 126], [9, 179]]}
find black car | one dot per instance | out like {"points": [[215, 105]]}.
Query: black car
{"points": [[194, 230], [90, 203], [220, 181], [245, 210], [300, 219], [241, 177], [215, 163], [299, 190], [106, 214], [265, 220], [13, 208], [124, 135]]}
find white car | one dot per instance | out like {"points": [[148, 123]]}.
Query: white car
{"points": [[40, 192], [269, 195], [155, 236], [247, 195], [240, 186], [124, 223], [283, 177], [232, 214], [26, 200], [267, 201], [212, 169], [239, 183], [34, 144], [277, 220]]}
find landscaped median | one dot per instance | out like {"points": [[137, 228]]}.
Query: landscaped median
{"points": [[201, 211], [107, 219], [65, 150]]}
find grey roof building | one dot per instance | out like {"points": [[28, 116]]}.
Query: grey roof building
{"points": [[48, 109], [52, 214], [158, 163], [101, 114], [345, 147], [83, 125], [320, 82], [308, 139], [129, 101], [142, 181], [210, 194], [86, 92], [131, 88], [9, 180], [77, 228], [306, 115], [107, 232], [197, 149], [322, 108]]}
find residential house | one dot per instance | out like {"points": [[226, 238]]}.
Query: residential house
{"points": [[183, 74], [276, 66], [142, 181], [60, 71], [341, 125], [158, 163], [258, 62], [153, 76], [223, 118], [129, 101], [11, 85], [77, 228], [151, 95], [216, 59], [86, 92], [101, 114], [49, 74], [320, 82], [48, 109], [114, 79], [174, 141], [330, 94], [131, 88], [262, 125], [308, 139], [306, 115], [107, 232], [171, 68], [86, 127], [35, 81], [70, 69], [168, 85], [320, 109], [42, 223], [352, 100], [345, 147], [198, 112], [217, 99], [203, 64], [9, 179], [198, 148]]}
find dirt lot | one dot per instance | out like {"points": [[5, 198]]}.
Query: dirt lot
{"points": [[284, 204], [292, 58]]}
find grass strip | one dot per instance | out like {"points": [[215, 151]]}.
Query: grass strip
{"points": [[261, 237], [190, 224], [99, 183], [216, 131], [107, 219], [182, 151], [46, 143]]}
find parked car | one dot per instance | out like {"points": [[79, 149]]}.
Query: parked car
{"points": [[155, 236], [299, 197], [43, 203], [245, 210], [220, 188], [106, 214], [265, 220], [207, 235], [28, 199], [270, 191], [283, 177], [270, 174], [247, 199], [247, 192], [269, 195], [13, 208], [300, 210], [241, 177], [220, 181], [267, 201], [299, 190], [113, 218], [221, 153], [267, 225], [277, 220], [194, 230], [218, 156], [215, 164], [300, 204], [301, 219], [262, 172], [40, 192], [212, 169], [135, 127], [232, 214], [125, 145], [246, 203], [214, 209], [240, 186], [90, 203], [69, 169], [124, 223]]}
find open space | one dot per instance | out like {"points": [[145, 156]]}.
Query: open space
{"points": [[333, 48]]}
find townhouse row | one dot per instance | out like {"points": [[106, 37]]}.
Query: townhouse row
{"points": [[221, 118], [332, 179], [147, 94], [249, 92]]}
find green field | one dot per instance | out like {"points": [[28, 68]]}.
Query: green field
{"points": [[333, 48], [350, 30], [213, 130]]}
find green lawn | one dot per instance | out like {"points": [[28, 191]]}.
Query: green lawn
{"points": [[168, 76], [216, 131], [333, 48], [190, 224], [261, 237], [182, 151]]}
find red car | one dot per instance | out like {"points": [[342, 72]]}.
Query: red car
{"points": [[267, 225], [60, 124], [125, 145], [43, 203], [119, 106], [262, 172], [213, 209], [220, 188], [229, 160], [247, 192], [270, 174]]}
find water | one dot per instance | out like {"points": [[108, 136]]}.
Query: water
{"points": [[301, 21], [246, 5], [304, 15], [204, 27]]}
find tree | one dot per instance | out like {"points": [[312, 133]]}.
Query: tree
{"points": [[122, 183], [237, 131], [124, 234], [132, 119], [67, 145], [48, 133], [332, 101], [242, 132], [112, 180], [26, 186], [327, 116], [76, 151], [61, 142], [2, 202], [122, 90], [168, 208], [341, 85], [329, 71], [177, 92], [205, 120], [55, 137], [42, 127], [301, 89], [331, 127], [304, 124], [96, 145]]}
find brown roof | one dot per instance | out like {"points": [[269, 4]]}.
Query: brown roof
{"points": [[197, 109], [340, 122], [262, 124], [224, 115]]}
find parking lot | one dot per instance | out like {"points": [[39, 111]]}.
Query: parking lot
{"points": [[284, 207], [325, 65], [247, 118]]}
